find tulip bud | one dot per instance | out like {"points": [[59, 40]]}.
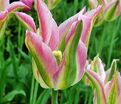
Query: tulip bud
{"points": [[108, 91], [111, 9]]}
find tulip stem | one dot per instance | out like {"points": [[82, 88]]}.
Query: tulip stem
{"points": [[54, 97]]}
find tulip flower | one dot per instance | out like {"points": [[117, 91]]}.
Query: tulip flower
{"points": [[111, 9], [6, 9], [107, 83], [58, 52]]}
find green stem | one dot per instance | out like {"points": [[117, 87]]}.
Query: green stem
{"points": [[35, 92], [32, 90], [54, 97]]}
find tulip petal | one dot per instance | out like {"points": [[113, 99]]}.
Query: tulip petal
{"points": [[99, 86], [27, 21], [98, 67], [3, 4], [64, 28], [88, 21], [68, 67], [16, 5], [110, 11], [37, 75], [113, 90], [111, 71], [42, 54], [47, 23], [3, 16], [81, 60], [28, 2], [54, 39]]}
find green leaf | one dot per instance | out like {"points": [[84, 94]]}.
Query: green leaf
{"points": [[11, 95], [43, 97]]}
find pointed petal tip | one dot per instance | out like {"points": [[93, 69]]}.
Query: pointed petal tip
{"points": [[16, 5], [26, 20]]}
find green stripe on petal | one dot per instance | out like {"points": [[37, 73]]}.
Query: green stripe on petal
{"points": [[112, 70], [112, 97], [110, 13], [42, 54], [37, 75], [99, 86], [69, 68]]}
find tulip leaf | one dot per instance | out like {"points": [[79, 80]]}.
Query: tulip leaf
{"points": [[43, 97], [10, 96]]}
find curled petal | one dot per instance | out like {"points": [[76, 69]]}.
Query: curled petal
{"points": [[27, 21], [28, 3], [44, 59], [16, 5]]}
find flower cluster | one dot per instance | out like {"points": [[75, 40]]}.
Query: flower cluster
{"points": [[106, 83], [111, 9]]}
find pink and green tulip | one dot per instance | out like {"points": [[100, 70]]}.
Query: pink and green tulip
{"points": [[6, 9], [111, 9], [58, 52], [106, 83]]}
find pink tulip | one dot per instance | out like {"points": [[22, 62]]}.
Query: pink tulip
{"points": [[111, 8], [6, 9], [106, 83], [58, 52]]}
